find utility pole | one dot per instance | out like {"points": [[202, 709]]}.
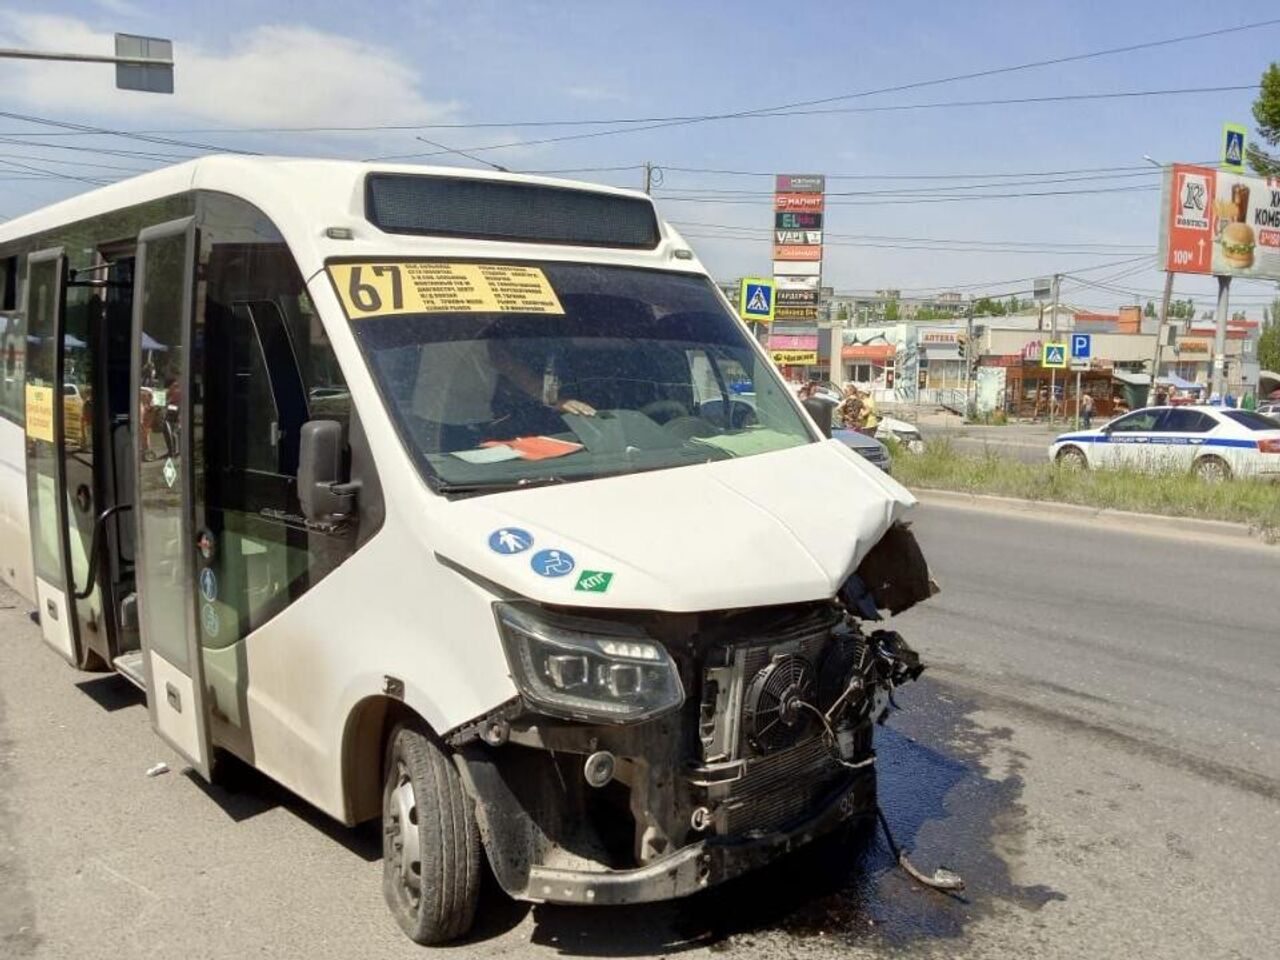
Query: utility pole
{"points": [[142, 63], [968, 366], [1160, 329], [1218, 382], [1053, 338]]}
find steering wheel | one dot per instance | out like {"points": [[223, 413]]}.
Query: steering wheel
{"points": [[742, 415], [672, 409]]}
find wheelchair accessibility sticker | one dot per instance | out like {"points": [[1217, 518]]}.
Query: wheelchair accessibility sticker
{"points": [[552, 563]]}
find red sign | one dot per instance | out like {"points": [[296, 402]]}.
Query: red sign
{"points": [[809, 202], [1190, 237], [797, 252]]}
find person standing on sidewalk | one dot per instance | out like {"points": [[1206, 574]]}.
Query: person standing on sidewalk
{"points": [[1086, 411]]}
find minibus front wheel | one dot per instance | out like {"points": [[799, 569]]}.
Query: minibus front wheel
{"points": [[430, 841]]}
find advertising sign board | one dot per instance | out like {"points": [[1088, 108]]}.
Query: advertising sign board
{"points": [[797, 268], [800, 183], [800, 358], [1220, 223], [803, 202], [797, 220], [797, 298], [797, 252], [797, 313]]}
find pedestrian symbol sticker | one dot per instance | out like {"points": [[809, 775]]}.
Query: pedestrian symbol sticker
{"points": [[510, 541], [552, 563], [1054, 355], [755, 300], [209, 584], [170, 471], [594, 581]]}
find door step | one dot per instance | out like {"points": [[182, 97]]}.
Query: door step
{"points": [[129, 666]]}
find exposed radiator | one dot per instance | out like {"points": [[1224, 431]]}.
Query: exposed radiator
{"points": [[781, 787]]}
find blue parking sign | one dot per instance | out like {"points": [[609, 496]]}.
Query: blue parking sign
{"points": [[1081, 346]]}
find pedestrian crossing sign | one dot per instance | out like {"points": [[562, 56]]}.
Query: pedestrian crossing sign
{"points": [[1054, 355], [755, 300], [1233, 147]]}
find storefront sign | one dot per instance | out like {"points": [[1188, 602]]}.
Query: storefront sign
{"points": [[797, 358], [808, 202], [797, 221], [1193, 346], [797, 298], [797, 268], [788, 237], [793, 341], [939, 337], [800, 183], [1220, 223], [797, 252], [796, 313]]}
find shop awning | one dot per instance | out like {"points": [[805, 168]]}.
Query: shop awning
{"points": [[869, 351], [1178, 382], [940, 351]]}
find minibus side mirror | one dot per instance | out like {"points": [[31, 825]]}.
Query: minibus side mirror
{"points": [[323, 489], [820, 410]]}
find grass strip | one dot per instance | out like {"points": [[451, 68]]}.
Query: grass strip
{"points": [[941, 466]]}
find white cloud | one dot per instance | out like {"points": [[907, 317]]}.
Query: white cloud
{"points": [[594, 94], [273, 75], [122, 8]]}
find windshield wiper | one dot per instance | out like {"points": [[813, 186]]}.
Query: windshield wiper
{"points": [[499, 486]]}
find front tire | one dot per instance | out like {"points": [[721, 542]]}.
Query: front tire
{"points": [[430, 841]]}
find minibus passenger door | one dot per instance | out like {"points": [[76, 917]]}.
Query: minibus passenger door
{"points": [[160, 380], [46, 475]]}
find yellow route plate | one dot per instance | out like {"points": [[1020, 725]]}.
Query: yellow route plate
{"points": [[382, 289]]}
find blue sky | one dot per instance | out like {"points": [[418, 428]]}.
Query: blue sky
{"points": [[322, 63]]}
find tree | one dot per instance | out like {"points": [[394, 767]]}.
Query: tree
{"points": [[986, 307], [1266, 113], [843, 313], [892, 311], [1150, 310], [1269, 340]]}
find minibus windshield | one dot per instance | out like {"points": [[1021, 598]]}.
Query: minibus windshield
{"points": [[504, 375]]}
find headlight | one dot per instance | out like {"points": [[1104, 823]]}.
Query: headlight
{"points": [[587, 669]]}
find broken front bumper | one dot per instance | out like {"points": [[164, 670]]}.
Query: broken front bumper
{"points": [[685, 871]]}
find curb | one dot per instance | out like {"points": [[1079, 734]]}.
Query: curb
{"points": [[1127, 518]]}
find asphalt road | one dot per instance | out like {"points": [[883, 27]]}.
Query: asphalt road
{"points": [[1095, 748], [1026, 442]]}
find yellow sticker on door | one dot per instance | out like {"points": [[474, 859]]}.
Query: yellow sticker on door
{"points": [[40, 413], [380, 289]]}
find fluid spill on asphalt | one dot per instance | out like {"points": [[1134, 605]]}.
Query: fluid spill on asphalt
{"points": [[951, 791]]}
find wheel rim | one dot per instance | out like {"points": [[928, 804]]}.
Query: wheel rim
{"points": [[1212, 470], [1072, 458], [402, 836]]}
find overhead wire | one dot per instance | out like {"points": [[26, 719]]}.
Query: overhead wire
{"points": [[894, 88]]}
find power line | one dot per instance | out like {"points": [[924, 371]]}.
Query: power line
{"points": [[694, 118], [916, 191], [147, 138], [896, 88], [908, 200], [881, 245], [761, 231]]}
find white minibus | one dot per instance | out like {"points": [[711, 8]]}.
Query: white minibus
{"points": [[436, 496]]}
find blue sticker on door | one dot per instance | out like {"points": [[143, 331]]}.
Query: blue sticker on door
{"points": [[552, 563]]}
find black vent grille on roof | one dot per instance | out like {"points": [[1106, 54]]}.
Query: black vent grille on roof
{"points": [[501, 210]]}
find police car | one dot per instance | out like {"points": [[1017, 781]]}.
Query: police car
{"points": [[1212, 442]]}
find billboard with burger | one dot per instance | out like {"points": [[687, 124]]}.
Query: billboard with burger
{"points": [[1220, 223]]}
